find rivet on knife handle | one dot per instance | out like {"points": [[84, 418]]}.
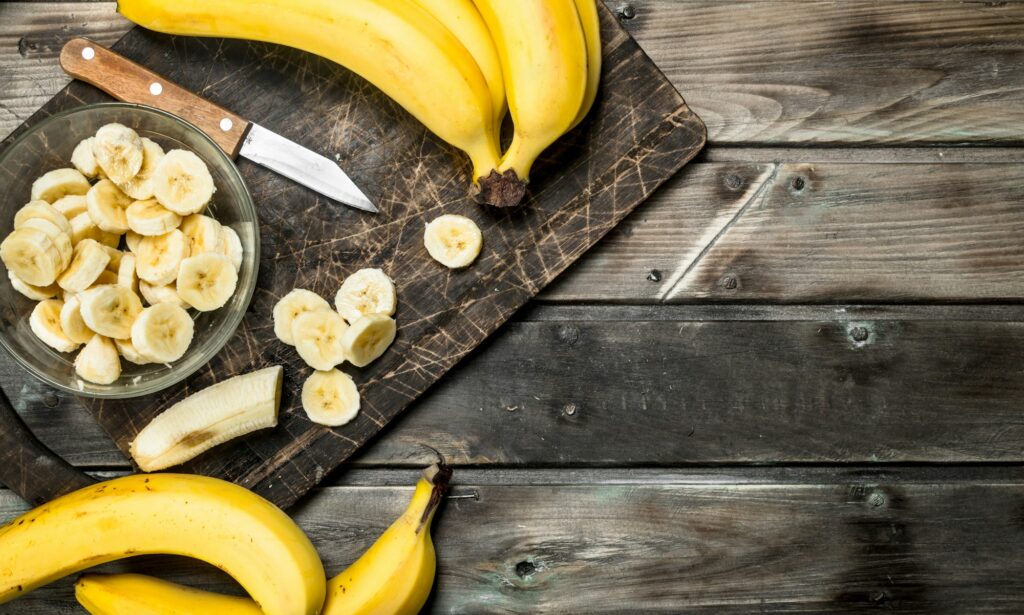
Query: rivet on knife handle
{"points": [[127, 81]]}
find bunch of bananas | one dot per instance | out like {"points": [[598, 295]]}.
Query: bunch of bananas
{"points": [[455, 65], [227, 526]]}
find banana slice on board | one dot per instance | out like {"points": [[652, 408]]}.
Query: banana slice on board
{"points": [[161, 294], [330, 398], [452, 240], [204, 234], [60, 239], [70, 206], [317, 338], [367, 291], [72, 322], [291, 306], [182, 182], [45, 211], [129, 353], [98, 361], [45, 323], [141, 186], [57, 183], [106, 204], [132, 239], [158, 258], [82, 227], [83, 160], [31, 256], [207, 281], [367, 338], [162, 333], [36, 293], [89, 261], [231, 246], [126, 276], [110, 310], [118, 152], [150, 218]]}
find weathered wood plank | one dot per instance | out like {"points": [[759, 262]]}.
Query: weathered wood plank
{"points": [[818, 385], [852, 543]]}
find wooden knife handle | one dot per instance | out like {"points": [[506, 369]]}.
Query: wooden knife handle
{"points": [[127, 81]]}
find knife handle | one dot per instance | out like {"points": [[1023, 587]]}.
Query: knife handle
{"points": [[129, 82]]}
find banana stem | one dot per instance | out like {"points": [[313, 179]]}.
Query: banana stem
{"points": [[501, 189], [438, 475]]}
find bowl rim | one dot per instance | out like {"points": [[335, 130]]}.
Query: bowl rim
{"points": [[234, 319]]}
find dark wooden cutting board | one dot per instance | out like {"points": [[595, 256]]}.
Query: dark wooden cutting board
{"points": [[638, 135]]}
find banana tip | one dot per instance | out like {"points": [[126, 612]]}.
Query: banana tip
{"points": [[501, 189]]}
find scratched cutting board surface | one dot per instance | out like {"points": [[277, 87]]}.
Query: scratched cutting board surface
{"points": [[638, 135]]}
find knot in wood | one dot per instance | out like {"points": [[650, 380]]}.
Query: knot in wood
{"points": [[525, 569], [570, 334], [654, 275]]}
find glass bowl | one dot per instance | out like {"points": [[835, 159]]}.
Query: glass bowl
{"points": [[48, 145]]}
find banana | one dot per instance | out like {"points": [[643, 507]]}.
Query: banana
{"points": [[36, 293], [182, 183], [140, 187], [207, 281], [70, 206], [150, 218], [591, 22], [83, 160], [203, 233], [72, 323], [89, 261], [367, 291], [98, 363], [126, 273], [367, 338], [452, 240], [543, 55], [216, 414], [161, 294], [162, 333], [317, 337], [231, 246], [45, 323], [118, 152], [195, 516], [82, 227], [132, 239], [106, 204], [58, 183], [291, 306], [394, 44], [158, 257], [136, 594], [60, 239], [110, 310], [42, 209], [31, 256], [114, 264], [129, 353], [107, 278], [330, 398]]}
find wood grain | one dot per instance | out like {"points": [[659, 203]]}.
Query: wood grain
{"points": [[847, 542]]}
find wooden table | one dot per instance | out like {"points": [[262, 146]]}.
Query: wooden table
{"points": [[790, 382]]}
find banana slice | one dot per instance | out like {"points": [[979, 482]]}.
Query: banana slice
{"points": [[83, 160], [367, 291], [60, 239], [291, 306], [98, 361], [182, 183], [57, 183], [317, 338], [367, 338], [231, 246], [107, 278], [126, 273], [88, 262], [45, 211], [118, 151], [70, 206], [330, 398], [207, 281], [454, 241], [106, 204], [31, 256], [72, 322], [157, 258], [45, 323], [132, 239], [141, 186], [115, 258], [161, 294], [36, 293], [204, 234], [82, 227], [129, 353], [110, 310], [151, 218], [162, 333]]}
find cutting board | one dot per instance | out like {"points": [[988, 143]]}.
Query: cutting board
{"points": [[639, 134]]}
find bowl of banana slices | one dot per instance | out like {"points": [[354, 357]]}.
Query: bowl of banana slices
{"points": [[129, 246]]}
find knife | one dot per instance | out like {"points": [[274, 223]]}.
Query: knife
{"points": [[129, 82]]}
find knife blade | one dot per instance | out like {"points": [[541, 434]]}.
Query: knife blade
{"points": [[130, 82]]}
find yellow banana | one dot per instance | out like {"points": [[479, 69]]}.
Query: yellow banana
{"points": [[394, 44], [394, 576], [195, 516], [543, 54], [591, 22]]}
